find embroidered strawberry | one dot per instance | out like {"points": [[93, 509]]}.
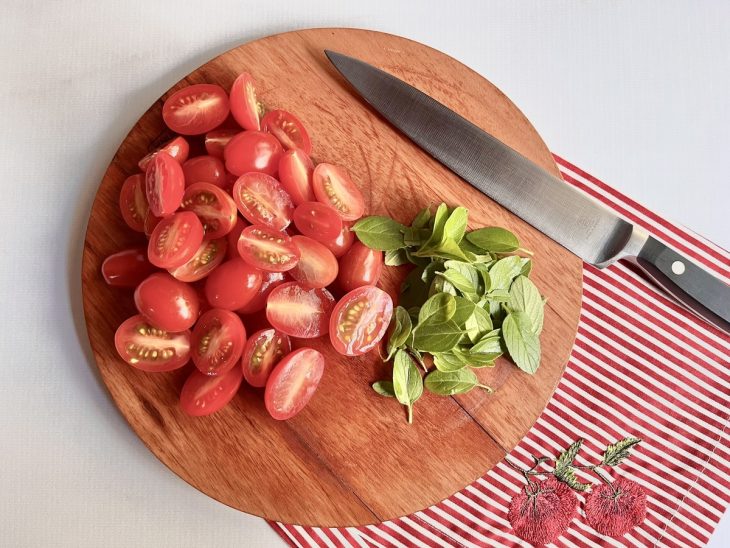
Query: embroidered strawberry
{"points": [[542, 511], [616, 508]]}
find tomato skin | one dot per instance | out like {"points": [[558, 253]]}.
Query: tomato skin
{"points": [[317, 266], [167, 303], [300, 311], [288, 129], [149, 348], [262, 200], [263, 351], [270, 280], [203, 395], [333, 186], [177, 147], [209, 255], [133, 202], [150, 223], [318, 221], [205, 169], [217, 341], [360, 320], [233, 237], [253, 151], [267, 249], [244, 105], [196, 109], [216, 141], [164, 185], [293, 382], [342, 244], [295, 175], [175, 240], [359, 266], [126, 268], [232, 285], [213, 206]]}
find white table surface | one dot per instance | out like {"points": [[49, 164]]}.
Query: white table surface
{"points": [[634, 92]]}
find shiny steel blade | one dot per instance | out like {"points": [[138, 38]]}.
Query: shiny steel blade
{"points": [[552, 206]]}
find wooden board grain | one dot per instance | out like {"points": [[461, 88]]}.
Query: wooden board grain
{"points": [[349, 458]]}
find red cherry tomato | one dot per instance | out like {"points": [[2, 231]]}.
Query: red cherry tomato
{"points": [[232, 285], [217, 341], [126, 268], [164, 185], [317, 266], [360, 320], [203, 395], [216, 141], [300, 311], [318, 221], [150, 223], [175, 240], [295, 174], [253, 151], [261, 200], [288, 129], [205, 169], [267, 249], [293, 382], [166, 302], [244, 107], [196, 109], [150, 348], [133, 202], [270, 280], [213, 206], [359, 266], [333, 186], [209, 255], [233, 236], [342, 244], [263, 351], [178, 148]]}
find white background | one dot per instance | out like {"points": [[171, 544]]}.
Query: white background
{"points": [[637, 93]]}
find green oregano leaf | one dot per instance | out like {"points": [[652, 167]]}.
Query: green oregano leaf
{"points": [[407, 381], [384, 388], [504, 271], [464, 310], [455, 225], [378, 232], [450, 383], [525, 296], [396, 257], [436, 337], [616, 452], [494, 240], [437, 309], [421, 220], [448, 361], [478, 325], [522, 343], [460, 282], [402, 327]]}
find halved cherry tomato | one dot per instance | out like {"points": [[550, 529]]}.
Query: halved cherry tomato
{"points": [[150, 223], [288, 129], [267, 249], [164, 185], [359, 266], [333, 186], [232, 285], [317, 266], [360, 320], [342, 244], [203, 395], [300, 311], [213, 206], [269, 281], [318, 221], [216, 141], [167, 303], [205, 169], [262, 200], [133, 202], [175, 240], [263, 351], [196, 109], [126, 268], [209, 255], [293, 382], [150, 348], [295, 174], [217, 341], [177, 147], [244, 106], [233, 237], [253, 151]]}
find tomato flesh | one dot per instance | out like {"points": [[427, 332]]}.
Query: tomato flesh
{"points": [[359, 266], [217, 341], [253, 151], [333, 186], [196, 109], [318, 221], [133, 202], [288, 129], [263, 351], [205, 169], [175, 240], [126, 268], [270, 280], [178, 148], [295, 175], [300, 311], [216, 141], [164, 185], [167, 303], [262, 200], [209, 255], [267, 249], [317, 266], [150, 348], [244, 105], [293, 382], [232, 285], [213, 206], [203, 395], [360, 320]]}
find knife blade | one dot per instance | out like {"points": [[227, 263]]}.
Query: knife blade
{"points": [[563, 213]]}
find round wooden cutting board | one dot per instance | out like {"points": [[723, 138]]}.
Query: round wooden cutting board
{"points": [[349, 458]]}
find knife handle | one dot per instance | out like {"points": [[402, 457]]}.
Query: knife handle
{"points": [[694, 288]]}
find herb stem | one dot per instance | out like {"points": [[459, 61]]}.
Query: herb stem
{"points": [[410, 414], [489, 389]]}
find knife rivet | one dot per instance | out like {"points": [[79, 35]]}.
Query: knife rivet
{"points": [[678, 268]]}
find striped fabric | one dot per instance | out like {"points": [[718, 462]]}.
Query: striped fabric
{"points": [[641, 366]]}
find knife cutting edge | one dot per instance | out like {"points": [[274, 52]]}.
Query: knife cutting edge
{"points": [[575, 221]]}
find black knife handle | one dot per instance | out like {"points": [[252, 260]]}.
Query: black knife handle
{"points": [[693, 287]]}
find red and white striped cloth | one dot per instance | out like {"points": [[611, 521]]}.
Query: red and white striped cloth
{"points": [[641, 366]]}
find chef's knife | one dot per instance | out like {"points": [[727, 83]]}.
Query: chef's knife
{"points": [[575, 221]]}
